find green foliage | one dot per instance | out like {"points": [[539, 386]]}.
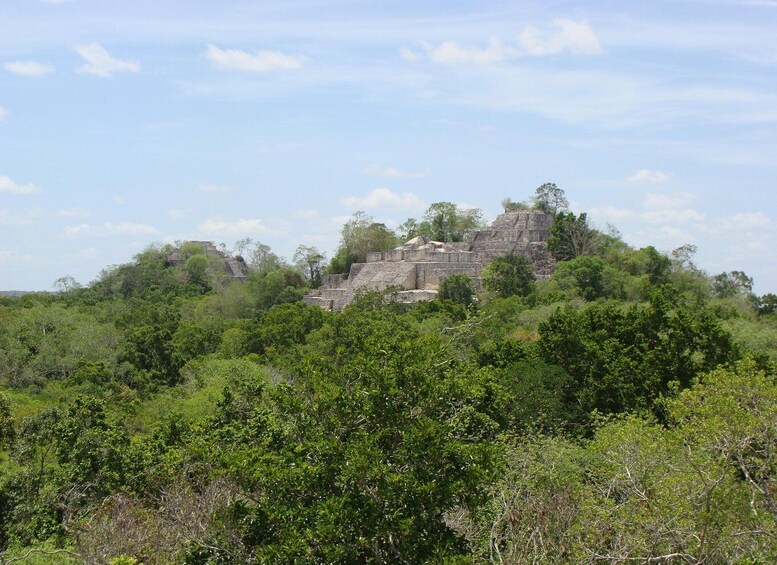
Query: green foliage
{"points": [[623, 359], [570, 237], [726, 285], [359, 236], [507, 276], [148, 275], [510, 206], [149, 330], [533, 507], [766, 304], [732, 415], [550, 198], [584, 276], [309, 261], [278, 287], [164, 414], [7, 431], [444, 221], [287, 325], [376, 444], [42, 343], [458, 289], [66, 458]]}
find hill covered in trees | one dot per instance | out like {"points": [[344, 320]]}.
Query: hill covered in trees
{"points": [[623, 409]]}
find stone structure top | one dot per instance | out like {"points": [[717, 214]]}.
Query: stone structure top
{"points": [[233, 267], [420, 264]]}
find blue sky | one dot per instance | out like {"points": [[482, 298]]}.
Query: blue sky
{"points": [[128, 123]]}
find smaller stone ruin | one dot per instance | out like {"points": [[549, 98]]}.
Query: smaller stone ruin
{"points": [[233, 267], [419, 265]]}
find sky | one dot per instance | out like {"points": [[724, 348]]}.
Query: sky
{"points": [[124, 124]]}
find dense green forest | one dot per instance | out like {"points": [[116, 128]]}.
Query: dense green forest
{"points": [[622, 410]]}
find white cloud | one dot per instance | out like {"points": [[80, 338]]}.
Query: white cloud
{"points": [[9, 256], [471, 127], [109, 229], [2, 113], [408, 54], [393, 172], [71, 212], [86, 254], [241, 227], [101, 63], [384, 198], [8, 218], [27, 216], [669, 216], [451, 53], [28, 68], [119, 200], [178, 212], [646, 175], [7, 185], [214, 189], [61, 213], [749, 220], [306, 214], [577, 38], [574, 37], [610, 213], [674, 201], [258, 62]]}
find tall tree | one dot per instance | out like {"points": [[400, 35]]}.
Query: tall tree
{"points": [[571, 236], [359, 236], [309, 261], [550, 198]]}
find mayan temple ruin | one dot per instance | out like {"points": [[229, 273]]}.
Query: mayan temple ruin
{"points": [[233, 267], [419, 265]]}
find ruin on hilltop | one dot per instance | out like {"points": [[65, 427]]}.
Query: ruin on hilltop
{"points": [[419, 265], [233, 267]]}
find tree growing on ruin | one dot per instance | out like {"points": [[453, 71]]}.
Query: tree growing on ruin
{"points": [[359, 236], [444, 221], [550, 198]]}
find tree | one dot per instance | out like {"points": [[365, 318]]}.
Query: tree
{"points": [[196, 268], [444, 221], [66, 284], [732, 413], [457, 288], [766, 304], [584, 275], [733, 283], [7, 432], [657, 265], [382, 438], [409, 229], [550, 198], [309, 260], [507, 276], [258, 256], [682, 257], [624, 359], [359, 236], [510, 206], [571, 236]]}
